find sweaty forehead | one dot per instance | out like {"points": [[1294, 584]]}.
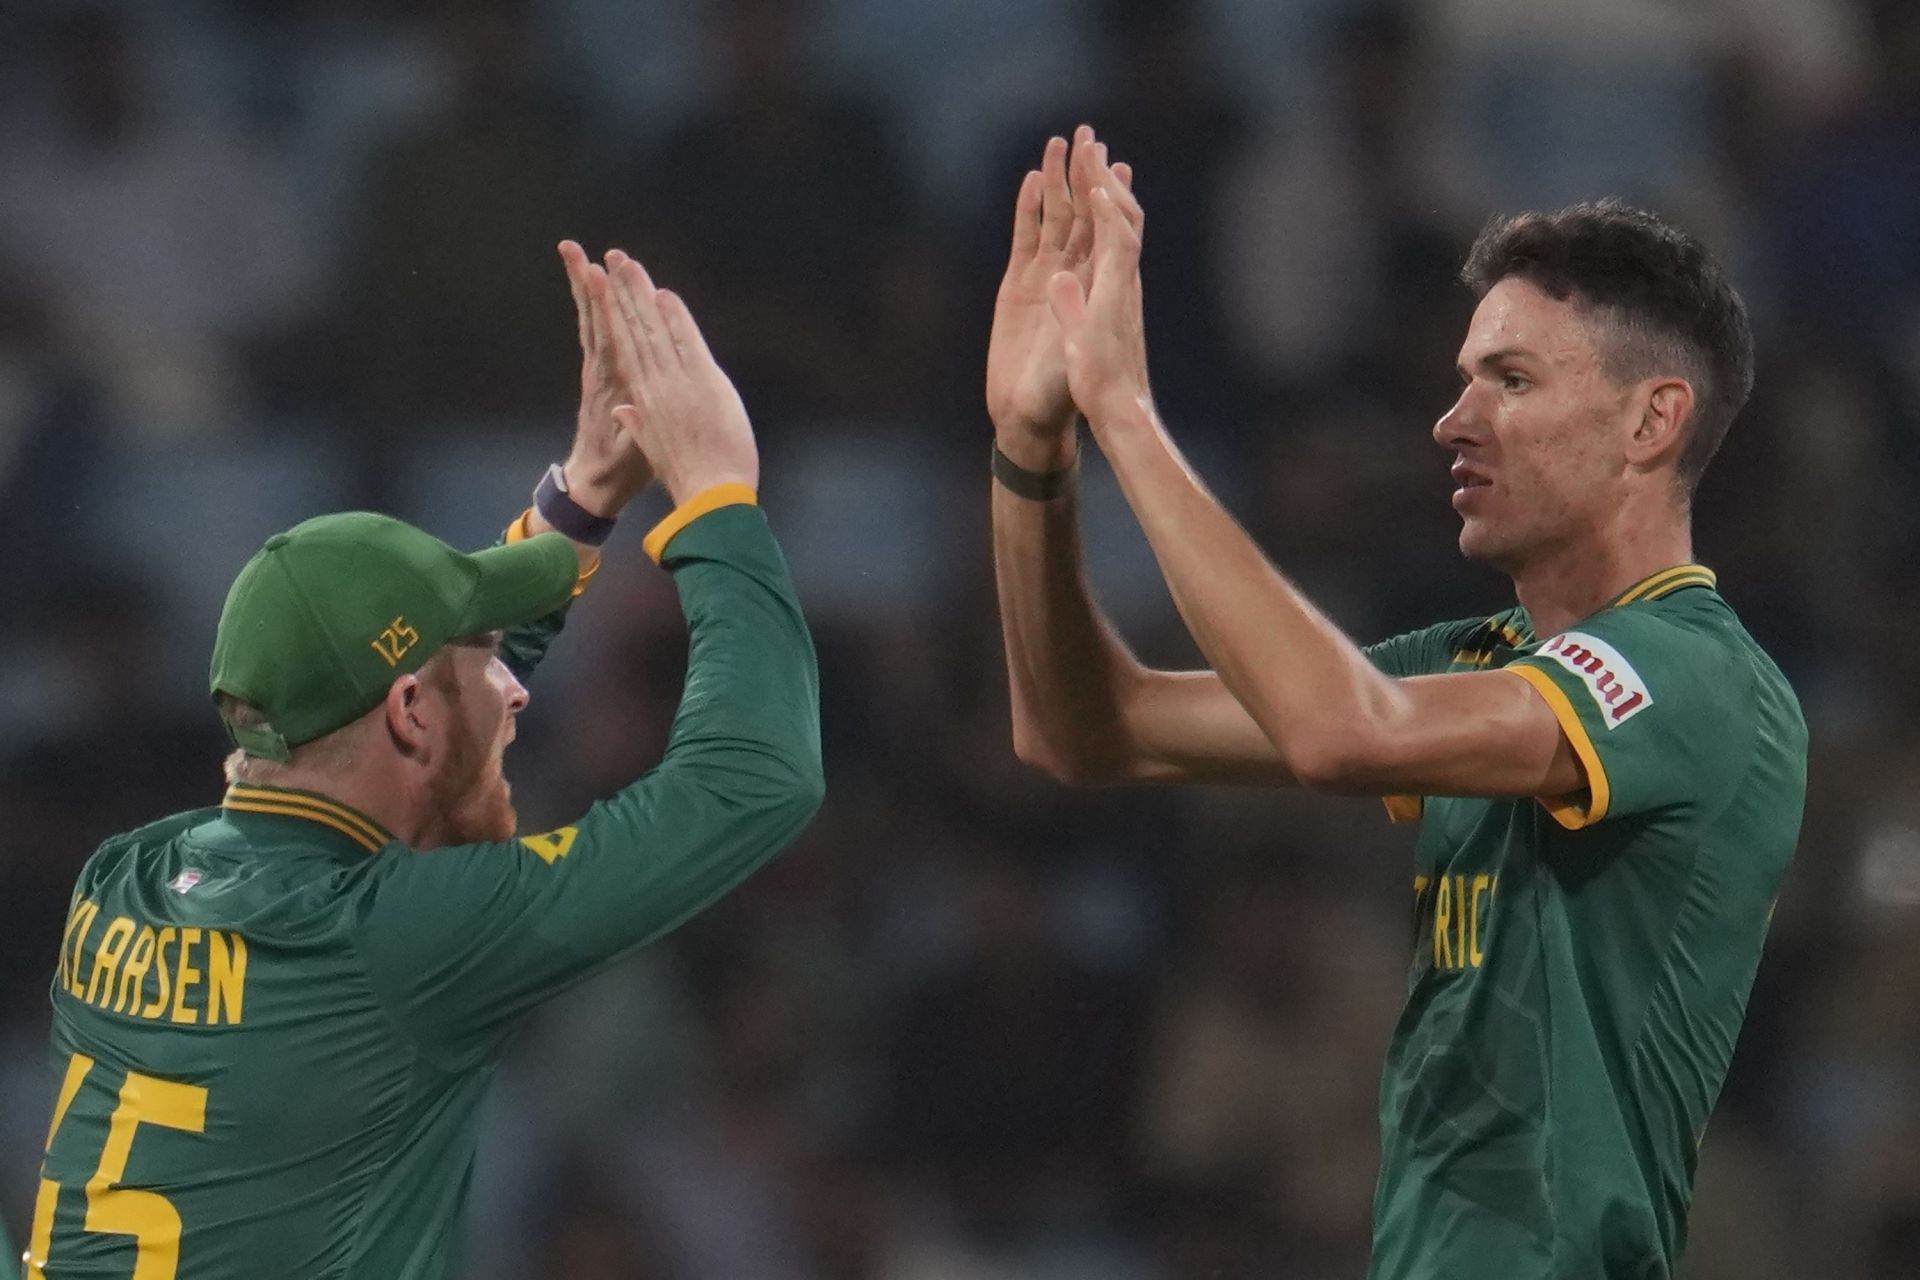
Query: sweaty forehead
{"points": [[1517, 317]]}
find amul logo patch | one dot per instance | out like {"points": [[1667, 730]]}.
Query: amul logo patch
{"points": [[1616, 687]]}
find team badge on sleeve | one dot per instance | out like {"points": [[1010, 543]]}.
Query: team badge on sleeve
{"points": [[551, 846], [1617, 688]]}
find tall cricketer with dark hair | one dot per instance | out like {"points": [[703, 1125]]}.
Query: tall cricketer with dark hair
{"points": [[1608, 776], [275, 1018]]}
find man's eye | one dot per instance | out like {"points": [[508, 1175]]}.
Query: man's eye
{"points": [[1515, 382]]}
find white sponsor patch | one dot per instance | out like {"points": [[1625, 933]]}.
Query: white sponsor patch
{"points": [[185, 881], [1616, 687]]}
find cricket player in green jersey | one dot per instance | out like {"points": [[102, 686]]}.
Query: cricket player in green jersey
{"points": [[1608, 777], [275, 1018]]}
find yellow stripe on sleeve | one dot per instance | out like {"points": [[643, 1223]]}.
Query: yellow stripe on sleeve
{"points": [[1567, 810], [707, 500], [1402, 810], [522, 528]]}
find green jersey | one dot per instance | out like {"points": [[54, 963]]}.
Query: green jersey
{"points": [[273, 1023], [1582, 963]]}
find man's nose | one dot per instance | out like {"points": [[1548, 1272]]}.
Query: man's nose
{"points": [[517, 696], [1460, 424]]}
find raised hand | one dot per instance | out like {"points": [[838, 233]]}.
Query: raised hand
{"points": [[683, 412], [1027, 395], [1099, 311], [603, 468]]}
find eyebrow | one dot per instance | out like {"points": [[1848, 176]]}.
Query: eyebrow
{"points": [[1491, 358]]}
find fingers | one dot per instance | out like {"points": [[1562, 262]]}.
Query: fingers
{"points": [[1056, 201], [638, 304], [614, 340], [1116, 244], [1121, 192], [689, 344], [623, 331], [574, 259], [1081, 177], [1026, 218]]}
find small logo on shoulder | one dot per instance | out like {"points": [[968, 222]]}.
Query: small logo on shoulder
{"points": [[1617, 689], [185, 880], [394, 640], [551, 846]]}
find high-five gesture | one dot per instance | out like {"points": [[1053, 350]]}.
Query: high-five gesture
{"points": [[1098, 309], [1027, 394], [603, 468], [684, 413]]}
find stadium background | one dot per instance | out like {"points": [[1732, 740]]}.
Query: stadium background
{"points": [[261, 259]]}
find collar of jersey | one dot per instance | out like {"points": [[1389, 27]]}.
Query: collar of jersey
{"points": [[1665, 583], [282, 802]]}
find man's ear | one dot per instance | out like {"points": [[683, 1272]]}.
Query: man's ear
{"points": [[406, 716], [1662, 428]]}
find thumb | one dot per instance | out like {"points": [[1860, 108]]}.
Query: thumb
{"points": [[1068, 302], [629, 421]]}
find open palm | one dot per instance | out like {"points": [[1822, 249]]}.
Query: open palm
{"points": [[1027, 392]]}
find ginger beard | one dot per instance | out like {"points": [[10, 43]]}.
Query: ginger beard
{"points": [[469, 791]]}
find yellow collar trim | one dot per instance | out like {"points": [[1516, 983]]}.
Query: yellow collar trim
{"points": [[1667, 581], [359, 828]]}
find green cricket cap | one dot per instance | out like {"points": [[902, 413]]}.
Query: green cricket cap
{"points": [[327, 615]]}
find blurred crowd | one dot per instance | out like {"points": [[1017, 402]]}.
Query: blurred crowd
{"points": [[262, 258]]}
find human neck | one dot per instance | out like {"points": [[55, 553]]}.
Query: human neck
{"points": [[388, 800], [1563, 584]]}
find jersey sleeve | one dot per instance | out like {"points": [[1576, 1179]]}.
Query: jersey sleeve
{"points": [[1428, 651], [1652, 708], [461, 941], [523, 646]]}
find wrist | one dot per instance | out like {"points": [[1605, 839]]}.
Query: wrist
{"points": [[684, 489], [1122, 414], [598, 491], [1053, 450]]}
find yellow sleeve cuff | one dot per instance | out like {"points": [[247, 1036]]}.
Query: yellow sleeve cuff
{"points": [[1567, 810], [707, 500], [521, 529], [1402, 810]]}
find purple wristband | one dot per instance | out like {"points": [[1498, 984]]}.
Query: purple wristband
{"points": [[564, 514]]}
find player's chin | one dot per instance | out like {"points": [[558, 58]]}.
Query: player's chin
{"points": [[1495, 547], [1477, 541]]}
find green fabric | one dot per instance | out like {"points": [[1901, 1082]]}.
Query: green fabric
{"points": [[343, 1068], [326, 615], [1575, 995]]}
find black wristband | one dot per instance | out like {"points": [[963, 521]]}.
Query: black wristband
{"points": [[1035, 486], [564, 514]]}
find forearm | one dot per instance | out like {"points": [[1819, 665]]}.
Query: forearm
{"points": [[752, 688], [742, 772], [1309, 688], [1068, 671]]}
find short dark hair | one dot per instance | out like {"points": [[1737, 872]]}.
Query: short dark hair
{"points": [[1663, 292]]}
